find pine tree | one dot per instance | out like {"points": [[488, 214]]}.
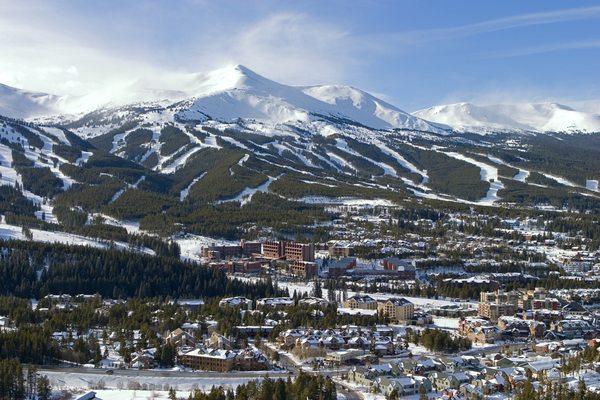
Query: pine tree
{"points": [[43, 388]]}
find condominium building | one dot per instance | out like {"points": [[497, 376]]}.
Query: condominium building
{"points": [[289, 250], [363, 302], [304, 269], [493, 311], [397, 309], [299, 251], [208, 360], [272, 250]]}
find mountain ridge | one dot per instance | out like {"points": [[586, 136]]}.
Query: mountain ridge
{"points": [[235, 91], [518, 117]]}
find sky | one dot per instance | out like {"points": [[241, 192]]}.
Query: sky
{"points": [[414, 54]]}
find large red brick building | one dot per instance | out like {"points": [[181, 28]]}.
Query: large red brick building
{"points": [[291, 251]]}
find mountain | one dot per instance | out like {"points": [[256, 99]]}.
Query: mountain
{"points": [[17, 103], [521, 117], [229, 151], [236, 92]]}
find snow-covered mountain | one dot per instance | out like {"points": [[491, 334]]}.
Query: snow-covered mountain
{"points": [[227, 94], [236, 92], [17, 103], [529, 117]]}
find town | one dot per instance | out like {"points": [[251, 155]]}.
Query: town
{"points": [[424, 319]]}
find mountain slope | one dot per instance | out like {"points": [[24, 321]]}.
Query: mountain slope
{"points": [[17, 103], [522, 117]]}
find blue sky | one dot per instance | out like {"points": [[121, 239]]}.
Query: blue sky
{"points": [[412, 53]]}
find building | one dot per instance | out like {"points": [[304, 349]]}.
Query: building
{"points": [[363, 302], [493, 311], [340, 250], [208, 359], [538, 299], [397, 309], [339, 267], [292, 251], [341, 357], [238, 266], [478, 330], [180, 338], [404, 269], [275, 302], [216, 341], [227, 251], [251, 248], [219, 252], [272, 250], [299, 251], [304, 269], [237, 302], [493, 305], [501, 297]]}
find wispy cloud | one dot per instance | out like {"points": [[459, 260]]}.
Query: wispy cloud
{"points": [[499, 24], [292, 47], [548, 48]]}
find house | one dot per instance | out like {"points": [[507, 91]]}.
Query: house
{"points": [[574, 308], [444, 380], [4, 323], [313, 301], [361, 301], [478, 330], [236, 302], [217, 341], [538, 367], [143, 360], [572, 328], [89, 396], [275, 302], [343, 357], [180, 338], [403, 385]]}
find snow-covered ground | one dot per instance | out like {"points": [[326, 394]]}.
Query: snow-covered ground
{"points": [[423, 302], [128, 394], [184, 193], [245, 196], [82, 381], [16, 232], [349, 201], [488, 173], [191, 245]]}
